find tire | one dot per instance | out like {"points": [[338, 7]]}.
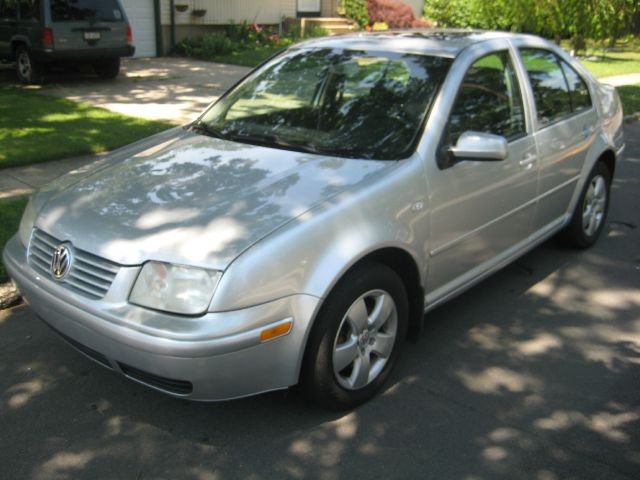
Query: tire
{"points": [[590, 214], [29, 70], [364, 318], [108, 68]]}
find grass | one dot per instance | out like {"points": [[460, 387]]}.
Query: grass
{"points": [[621, 60], [38, 128], [630, 96], [614, 63], [10, 214]]}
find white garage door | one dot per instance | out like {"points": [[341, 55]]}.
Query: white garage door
{"points": [[140, 14]]}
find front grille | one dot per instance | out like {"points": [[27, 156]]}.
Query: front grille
{"points": [[180, 387], [90, 276]]}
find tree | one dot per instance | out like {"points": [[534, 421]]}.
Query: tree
{"points": [[574, 19], [357, 11]]}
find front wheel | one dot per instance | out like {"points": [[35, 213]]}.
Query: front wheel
{"points": [[591, 210], [356, 339]]}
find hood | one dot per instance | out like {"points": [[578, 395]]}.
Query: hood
{"points": [[194, 200]]}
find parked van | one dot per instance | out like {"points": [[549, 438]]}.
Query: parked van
{"points": [[35, 33]]}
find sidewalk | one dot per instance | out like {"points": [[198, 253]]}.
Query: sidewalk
{"points": [[20, 181], [620, 80]]}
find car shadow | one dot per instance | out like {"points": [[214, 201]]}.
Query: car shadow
{"points": [[537, 362], [533, 373]]}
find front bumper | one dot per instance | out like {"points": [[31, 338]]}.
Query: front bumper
{"points": [[220, 358]]}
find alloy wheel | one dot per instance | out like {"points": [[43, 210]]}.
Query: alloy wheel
{"points": [[595, 202], [24, 65], [365, 339]]}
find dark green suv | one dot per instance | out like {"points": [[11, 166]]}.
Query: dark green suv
{"points": [[34, 33]]}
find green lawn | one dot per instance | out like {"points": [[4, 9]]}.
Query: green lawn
{"points": [[251, 57], [614, 63], [10, 214], [630, 96], [38, 128], [623, 59]]}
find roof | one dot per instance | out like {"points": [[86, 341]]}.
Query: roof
{"points": [[442, 42]]}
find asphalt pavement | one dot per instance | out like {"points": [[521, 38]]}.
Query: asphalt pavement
{"points": [[532, 374]]}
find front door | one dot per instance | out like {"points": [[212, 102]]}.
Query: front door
{"points": [[309, 6], [481, 209]]}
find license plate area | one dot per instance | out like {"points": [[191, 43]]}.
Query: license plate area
{"points": [[92, 36]]}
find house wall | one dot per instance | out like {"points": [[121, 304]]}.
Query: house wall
{"points": [[221, 12], [328, 8]]}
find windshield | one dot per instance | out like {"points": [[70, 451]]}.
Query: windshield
{"points": [[89, 10], [330, 101]]}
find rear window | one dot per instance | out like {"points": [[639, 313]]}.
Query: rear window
{"points": [[85, 10]]}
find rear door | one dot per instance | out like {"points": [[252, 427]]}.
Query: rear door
{"points": [[565, 124], [480, 210], [8, 21], [87, 24]]}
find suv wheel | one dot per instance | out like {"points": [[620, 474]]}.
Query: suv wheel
{"points": [[29, 70], [591, 211], [107, 68], [356, 339]]}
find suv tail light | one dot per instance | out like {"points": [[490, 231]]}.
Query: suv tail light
{"points": [[47, 38], [129, 35]]}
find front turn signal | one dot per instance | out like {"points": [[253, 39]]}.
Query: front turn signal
{"points": [[275, 332]]}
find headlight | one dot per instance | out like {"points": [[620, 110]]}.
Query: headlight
{"points": [[174, 288], [26, 224]]}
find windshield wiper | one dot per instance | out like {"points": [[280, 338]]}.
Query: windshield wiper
{"points": [[207, 129], [269, 140]]}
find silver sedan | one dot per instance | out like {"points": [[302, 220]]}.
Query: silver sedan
{"points": [[299, 230]]}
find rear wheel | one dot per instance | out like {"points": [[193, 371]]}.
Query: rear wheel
{"points": [[591, 210], [107, 68], [356, 339], [29, 70]]}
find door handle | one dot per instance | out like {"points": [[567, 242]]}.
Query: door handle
{"points": [[587, 131], [527, 160]]}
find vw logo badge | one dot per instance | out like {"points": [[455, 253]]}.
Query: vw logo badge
{"points": [[61, 262]]}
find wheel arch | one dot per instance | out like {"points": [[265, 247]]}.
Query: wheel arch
{"points": [[404, 265], [608, 157], [401, 262], [15, 43], [19, 40]]}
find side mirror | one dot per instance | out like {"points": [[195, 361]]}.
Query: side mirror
{"points": [[480, 146]]}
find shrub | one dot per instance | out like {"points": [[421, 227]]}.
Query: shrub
{"points": [[357, 11], [395, 14], [315, 32], [450, 13], [206, 46], [294, 32]]}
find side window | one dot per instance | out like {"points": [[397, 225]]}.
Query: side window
{"points": [[489, 100], [578, 90], [550, 89], [29, 9], [8, 9]]}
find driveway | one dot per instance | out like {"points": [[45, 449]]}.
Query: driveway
{"points": [[175, 90], [532, 374]]}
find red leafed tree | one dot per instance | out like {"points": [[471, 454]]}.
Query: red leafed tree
{"points": [[394, 13]]}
